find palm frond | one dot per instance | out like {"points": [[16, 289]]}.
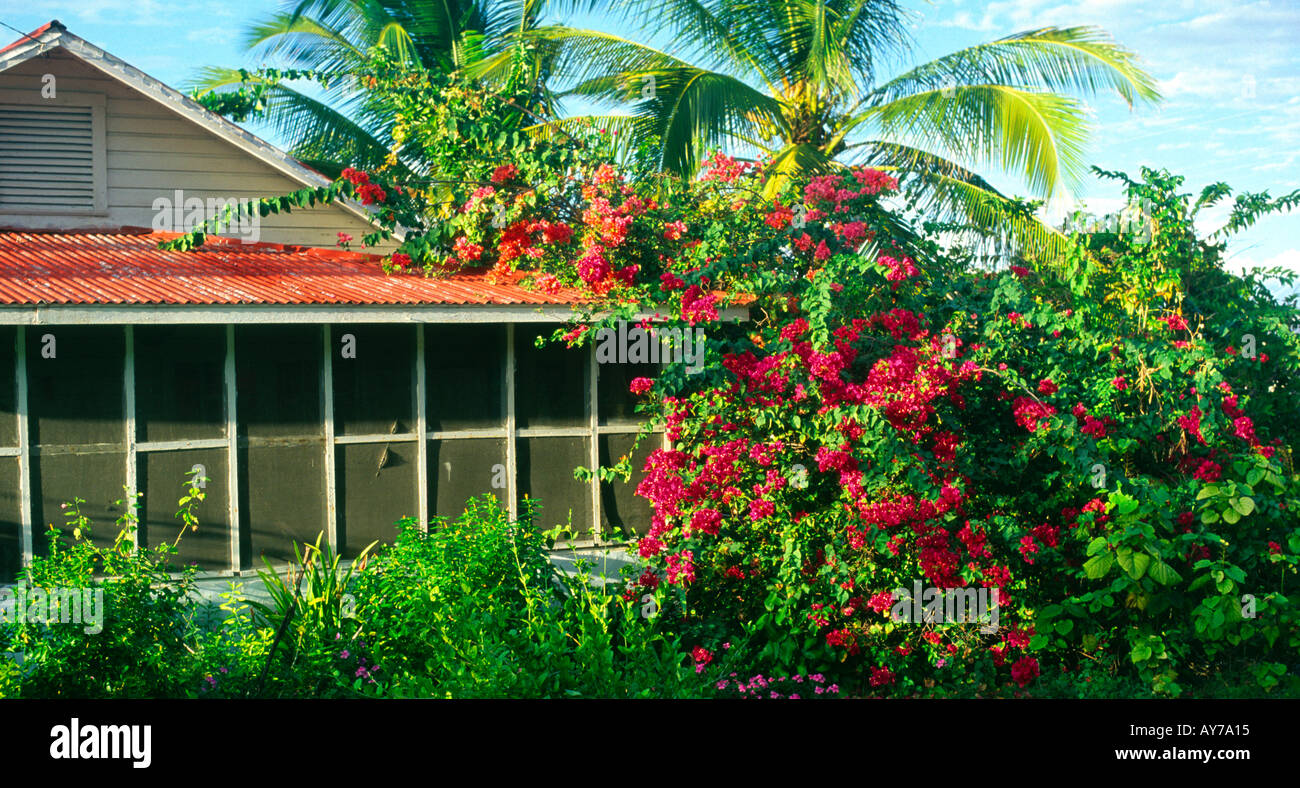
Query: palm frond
{"points": [[939, 189], [1081, 60], [1040, 136]]}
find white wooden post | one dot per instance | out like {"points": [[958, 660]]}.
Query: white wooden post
{"points": [[128, 385], [422, 431], [25, 492], [512, 464], [327, 393], [232, 449], [593, 419]]}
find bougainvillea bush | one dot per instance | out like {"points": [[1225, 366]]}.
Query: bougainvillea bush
{"points": [[1105, 436]]}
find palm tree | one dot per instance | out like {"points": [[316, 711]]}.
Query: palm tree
{"points": [[796, 81], [348, 125]]}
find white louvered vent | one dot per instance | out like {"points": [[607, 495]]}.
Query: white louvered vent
{"points": [[47, 158]]}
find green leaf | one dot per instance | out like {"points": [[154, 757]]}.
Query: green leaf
{"points": [[1096, 545], [1164, 573], [1243, 505], [1097, 566], [1125, 559], [1141, 653], [1124, 503]]}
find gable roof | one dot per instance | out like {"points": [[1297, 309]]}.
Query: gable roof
{"points": [[53, 35]]}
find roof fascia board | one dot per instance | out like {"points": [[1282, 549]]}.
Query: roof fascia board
{"points": [[200, 314]]}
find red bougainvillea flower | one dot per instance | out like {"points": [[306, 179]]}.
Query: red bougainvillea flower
{"points": [[1029, 412], [706, 521], [505, 173], [1244, 428], [668, 282], [681, 567], [760, 508], [1046, 386], [1024, 670], [592, 267], [467, 250], [899, 268], [649, 547], [874, 181], [356, 177], [1192, 424], [779, 217], [1020, 271], [641, 385], [371, 193], [1119, 383], [698, 306], [1094, 427], [1208, 471], [606, 175], [881, 677], [720, 167], [1028, 547], [1175, 322], [548, 283]]}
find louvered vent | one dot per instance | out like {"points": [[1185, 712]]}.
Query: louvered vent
{"points": [[47, 158]]}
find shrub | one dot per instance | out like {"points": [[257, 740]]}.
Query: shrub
{"points": [[140, 642], [474, 608], [1083, 436]]}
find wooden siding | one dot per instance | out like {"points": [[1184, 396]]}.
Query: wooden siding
{"points": [[150, 152]]}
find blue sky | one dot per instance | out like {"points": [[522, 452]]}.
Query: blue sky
{"points": [[1230, 72]]}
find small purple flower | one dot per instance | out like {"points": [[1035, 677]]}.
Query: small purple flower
{"points": [[343, 654]]}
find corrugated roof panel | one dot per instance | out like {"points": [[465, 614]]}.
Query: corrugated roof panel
{"points": [[127, 267]]}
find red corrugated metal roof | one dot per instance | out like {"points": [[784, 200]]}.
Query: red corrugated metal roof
{"points": [[34, 34], [126, 267]]}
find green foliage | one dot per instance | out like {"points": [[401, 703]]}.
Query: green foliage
{"points": [[137, 632], [471, 607]]}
